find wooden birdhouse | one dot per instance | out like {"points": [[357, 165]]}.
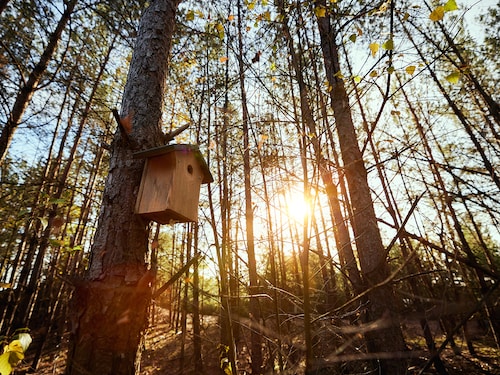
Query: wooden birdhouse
{"points": [[170, 184]]}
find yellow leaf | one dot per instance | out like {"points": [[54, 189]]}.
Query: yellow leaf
{"points": [[453, 77], [450, 5], [374, 48], [373, 74], [223, 59], [320, 11], [410, 69], [267, 16], [357, 79], [437, 14], [251, 5], [5, 367], [13, 353], [190, 15], [220, 30]]}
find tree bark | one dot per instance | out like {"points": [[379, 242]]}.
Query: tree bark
{"points": [[109, 309], [369, 244]]}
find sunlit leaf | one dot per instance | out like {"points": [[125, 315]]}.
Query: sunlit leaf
{"points": [[13, 353], [5, 367], [5, 285], [320, 11], [223, 59], [251, 5], [410, 69], [267, 15], [44, 222], [339, 75], [374, 48], [230, 18], [356, 79], [453, 77], [450, 5], [57, 201], [388, 45], [220, 30], [190, 15], [437, 14], [353, 37]]}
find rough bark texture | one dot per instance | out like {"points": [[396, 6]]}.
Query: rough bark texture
{"points": [[109, 306], [388, 337]]}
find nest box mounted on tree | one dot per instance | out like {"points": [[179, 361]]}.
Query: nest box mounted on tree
{"points": [[170, 185]]}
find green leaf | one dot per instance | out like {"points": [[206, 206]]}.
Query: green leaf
{"points": [[388, 45], [44, 222], [353, 37], [356, 79], [450, 5], [390, 70], [57, 201], [453, 77]]}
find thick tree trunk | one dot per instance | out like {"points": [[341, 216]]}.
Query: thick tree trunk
{"points": [[110, 305], [3, 5], [388, 338]]}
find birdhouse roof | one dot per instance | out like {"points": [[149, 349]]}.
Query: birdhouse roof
{"points": [[162, 150]]}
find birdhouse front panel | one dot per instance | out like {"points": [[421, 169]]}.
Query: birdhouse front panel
{"points": [[170, 186]]}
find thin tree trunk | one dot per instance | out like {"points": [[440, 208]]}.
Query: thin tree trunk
{"points": [[369, 245], [106, 330], [252, 262], [25, 94]]}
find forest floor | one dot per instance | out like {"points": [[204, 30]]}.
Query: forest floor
{"points": [[167, 351]]}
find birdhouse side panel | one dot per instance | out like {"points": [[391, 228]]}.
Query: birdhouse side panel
{"points": [[156, 184], [185, 193]]}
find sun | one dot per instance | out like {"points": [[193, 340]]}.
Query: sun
{"points": [[297, 206]]}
